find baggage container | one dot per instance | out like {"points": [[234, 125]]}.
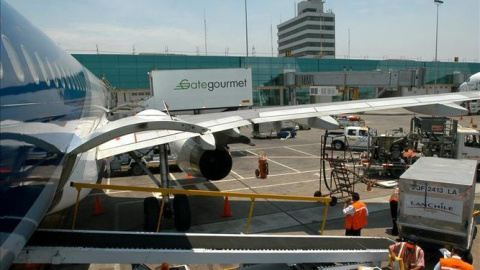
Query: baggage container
{"points": [[437, 198]]}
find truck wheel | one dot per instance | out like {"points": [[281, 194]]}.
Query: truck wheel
{"points": [[137, 170], [478, 112], [181, 212], [151, 209], [338, 145], [397, 172]]}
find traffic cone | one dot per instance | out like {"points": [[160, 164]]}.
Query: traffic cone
{"points": [[98, 206], [226, 209], [164, 266], [369, 186], [471, 120]]}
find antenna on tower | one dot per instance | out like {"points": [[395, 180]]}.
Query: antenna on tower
{"points": [[205, 29], [271, 38]]}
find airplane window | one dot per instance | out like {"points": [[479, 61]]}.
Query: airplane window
{"points": [[30, 65], [65, 77], [70, 78], [42, 69], [51, 72], [12, 55], [1, 70], [59, 75]]}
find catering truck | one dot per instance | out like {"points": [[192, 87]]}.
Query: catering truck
{"points": [[199, 90], [437, 200]]}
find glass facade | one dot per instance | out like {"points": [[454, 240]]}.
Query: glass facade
{"points": [[129, 72]]}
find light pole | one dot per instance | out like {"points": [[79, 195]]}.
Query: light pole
{"points": [[246, 33], [438, 3]]}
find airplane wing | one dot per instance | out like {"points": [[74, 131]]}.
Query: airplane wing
{"points": [[317, 116]]}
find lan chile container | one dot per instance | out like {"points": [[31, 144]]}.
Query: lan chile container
{"points": [[437, 198]]}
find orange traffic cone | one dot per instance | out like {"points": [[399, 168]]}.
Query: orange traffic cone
{"points": [[226, 209], [369, 186], [164, 266], [98, 206]]}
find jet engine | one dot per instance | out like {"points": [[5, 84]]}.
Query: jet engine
{"points": [[194, 159]]}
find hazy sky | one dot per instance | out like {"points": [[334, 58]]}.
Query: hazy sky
{"points": [[379, 29]]}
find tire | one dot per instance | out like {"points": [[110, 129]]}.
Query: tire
{"points": [[257, 173], [338, 145], [181, 212], [478, 112], [151, 210], [317, 193], [136, 169], [397, 172], [334, 201]]}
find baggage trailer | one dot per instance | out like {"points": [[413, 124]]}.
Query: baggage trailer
{"points": [[437, 198]]}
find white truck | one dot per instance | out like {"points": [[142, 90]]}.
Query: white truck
{"points": [[350, 136], [200, 89], [437, 201]]}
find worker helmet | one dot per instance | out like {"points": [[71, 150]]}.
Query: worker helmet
{"points": [[412, 239]]}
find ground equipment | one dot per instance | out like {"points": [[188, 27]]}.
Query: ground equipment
{"points": [[262, 170]]}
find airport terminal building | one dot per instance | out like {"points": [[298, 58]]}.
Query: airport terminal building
{"points": [[128, 74]]}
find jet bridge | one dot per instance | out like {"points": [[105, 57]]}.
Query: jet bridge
{"points": [[68, 247], [382, 80]]}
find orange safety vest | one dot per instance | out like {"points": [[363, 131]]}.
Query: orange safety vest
{"points": [[394, 196], [359, 219], [454, 264], [409, 260]]}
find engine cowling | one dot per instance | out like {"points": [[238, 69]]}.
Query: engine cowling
{"points": [[194, 160]]}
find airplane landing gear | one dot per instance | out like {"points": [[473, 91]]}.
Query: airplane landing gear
{"points": [[181, 213]]}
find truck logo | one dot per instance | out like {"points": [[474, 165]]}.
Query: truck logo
{"points": [[185, 84]]}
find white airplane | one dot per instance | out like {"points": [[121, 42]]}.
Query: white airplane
{"points": [[54, 129], [471, 84]]}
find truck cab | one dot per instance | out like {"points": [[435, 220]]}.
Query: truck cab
{"points": [[352, 136]]}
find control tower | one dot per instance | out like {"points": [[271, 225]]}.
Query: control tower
{"points": [[310, 34]]}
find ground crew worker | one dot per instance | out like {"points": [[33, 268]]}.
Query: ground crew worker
{"points": [[394, 210], [411, 254], [356, 215], [455, 262]]}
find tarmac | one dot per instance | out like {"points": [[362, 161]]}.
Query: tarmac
{"points": [[294, 169]]}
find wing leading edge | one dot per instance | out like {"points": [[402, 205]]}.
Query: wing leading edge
{"points": [[318, 115]]}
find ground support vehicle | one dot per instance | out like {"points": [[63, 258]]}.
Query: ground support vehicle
{"points": [[349, 121], [148, 156], [350, 137], [429, 136], [437, 200]]}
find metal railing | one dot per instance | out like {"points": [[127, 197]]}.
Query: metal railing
{"points": [[167, 191]]}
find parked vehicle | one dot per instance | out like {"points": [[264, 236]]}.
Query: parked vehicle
{"points": [[351, 136], [149, 156]]}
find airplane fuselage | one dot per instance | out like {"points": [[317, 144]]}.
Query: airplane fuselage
{"points": [[47, 101]]}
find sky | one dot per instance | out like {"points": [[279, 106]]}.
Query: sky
{"points": [[372, 29]]}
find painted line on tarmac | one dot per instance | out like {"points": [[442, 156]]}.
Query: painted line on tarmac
{"points": [[236, 174], [296, 150], [270, 160], [269, 186], [273, 147]]}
